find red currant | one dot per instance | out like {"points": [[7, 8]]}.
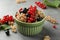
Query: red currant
{"points": [[6, 20], [37, 2], [3, 21], [20, 9], [31, 7], [34, 10], [0, 20], [7, 16], [54, 26], [35, 7], [41, 5], [4, 17], [32, 16], [31, 19], [11, 18], [30, 12], [34, 19]]}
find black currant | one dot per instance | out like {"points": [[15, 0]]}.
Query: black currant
{"points": [[25, 10], [7, 32], [39, 18], [27, 15]]}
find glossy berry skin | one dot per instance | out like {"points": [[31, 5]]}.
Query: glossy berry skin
{"points": [[39, 19], [41, 5], [35, 7], [11, 18], [6, 18], [32, 10], [54, 26], [25, 10], [28, 21], [37, 2], [32, 16], [31, 19], [3, 21], [7, 32], [20, 9], [27, 15], [30, 7]]}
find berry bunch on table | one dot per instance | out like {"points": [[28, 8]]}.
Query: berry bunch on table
{"points": [[6, 23]]}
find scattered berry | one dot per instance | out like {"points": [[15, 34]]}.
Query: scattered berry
{"points": [[54, 26], [7, 32]]}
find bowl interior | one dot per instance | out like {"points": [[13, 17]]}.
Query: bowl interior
{"points": [[33, 22]]}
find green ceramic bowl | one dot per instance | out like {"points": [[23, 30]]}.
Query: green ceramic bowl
{"points": [[30, 29]]}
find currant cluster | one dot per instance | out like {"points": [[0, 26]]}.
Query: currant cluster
{"points": [[41, 5], [28, 14], [32, 13], [6, 19]]}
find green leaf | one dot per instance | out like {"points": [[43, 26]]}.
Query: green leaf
{"points": [[55, 3], [5, 26]]}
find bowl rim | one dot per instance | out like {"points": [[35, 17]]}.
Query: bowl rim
{"points": [[30, 23]]}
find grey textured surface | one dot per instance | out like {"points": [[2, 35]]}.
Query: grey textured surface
{"points": [[10, 7]]}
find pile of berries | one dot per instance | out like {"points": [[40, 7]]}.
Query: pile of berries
{"points": [[29, 15], [6, 19]]}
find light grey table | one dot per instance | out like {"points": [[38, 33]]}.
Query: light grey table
{"points": [[10, 7]]}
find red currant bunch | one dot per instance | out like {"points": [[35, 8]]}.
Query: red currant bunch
{"points": [[6, 19], [32, 13], [41, 5]]}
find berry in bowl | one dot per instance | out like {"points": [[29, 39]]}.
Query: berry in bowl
{"points": [[29, 20]]}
